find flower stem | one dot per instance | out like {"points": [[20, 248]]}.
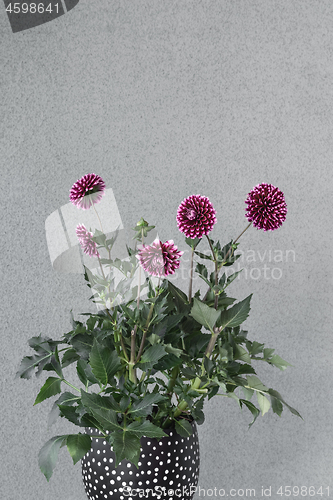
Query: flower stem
{"points": [[216, 298], [231, 249], [225, 258], [191, 277], [145, 332], [72, 386], [99, 220]]}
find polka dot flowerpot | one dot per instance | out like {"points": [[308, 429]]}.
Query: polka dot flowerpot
{"points": [[168, 469]]}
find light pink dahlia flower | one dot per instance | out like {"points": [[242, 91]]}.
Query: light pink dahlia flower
{"points": [[160, 259], [88, 245]]}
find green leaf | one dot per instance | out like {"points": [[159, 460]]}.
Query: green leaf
{"points": [[104, 362], [254, 347], [82, 343], [150, 357], [279, 362], [236, 314], [268, 353], [278, 396], [277, 406], [66, 398], [253, 409], [263, 402], [178, 295], [69, 357], [248, 393], [29, 363], [48, 455], [183, 428], [70, 413], [142, 407], [146, 428], [193, 243], [126, 446], [242, 354], [256, 384], [78, 445], [204, 256], [203, 314], [232, 277], [51, 387], [103, 409]]}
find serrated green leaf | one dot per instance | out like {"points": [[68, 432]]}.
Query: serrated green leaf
{"points": [[48, 455], [104, 362], [29, 363], [277, 406], [263, 402], [126, 446], [150, 357], [103, 408], [232, 277], [70, 413], [236, 315], [178, 295], [142, 407], [193, 243], [183, 428], [146, 428], [254, 347], [51, 387], [248, 393], [204, 256], [78, 445], [66, 398], [278, 396], [279, 362], [203, 314], [69, 357], [268, 353], [253, 409], [254, 383], [242, 354]]}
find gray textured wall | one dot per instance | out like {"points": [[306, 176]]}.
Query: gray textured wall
{"points": [[163, 100]]}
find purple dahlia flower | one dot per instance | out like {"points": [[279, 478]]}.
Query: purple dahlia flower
{"points": [[196, 216], [88, 245], [266, 207], [160, 259], [87, 191]]}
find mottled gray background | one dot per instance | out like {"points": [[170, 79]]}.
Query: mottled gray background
{"points": [[164, 99]]}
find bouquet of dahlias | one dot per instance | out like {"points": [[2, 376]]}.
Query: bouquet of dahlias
{"points": [[152, 354]]}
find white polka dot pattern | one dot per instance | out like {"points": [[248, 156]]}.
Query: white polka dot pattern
{"points": [[168, 463]]}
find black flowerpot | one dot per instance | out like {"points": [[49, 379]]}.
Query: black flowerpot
{"points": [[168, 468]]}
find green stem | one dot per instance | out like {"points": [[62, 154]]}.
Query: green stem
{"points": [[212, 342], [70, 385], [231, 249], [145, 332], [172, 381], [191, 277], [216, 299], [99, 220], [225, 258], [183, 405]]}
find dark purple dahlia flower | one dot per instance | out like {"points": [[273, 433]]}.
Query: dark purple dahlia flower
{"points": [[87, 191], [266, 207], [196, 216], [160, 259], [88, 245]]}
